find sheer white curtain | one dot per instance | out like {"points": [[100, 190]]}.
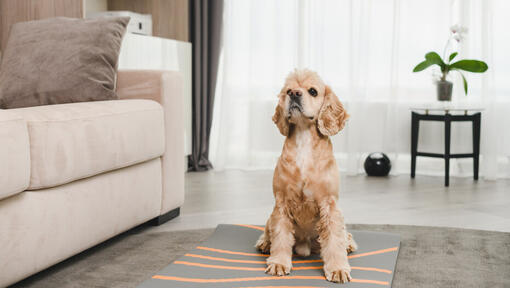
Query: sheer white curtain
{"points": [[366, 50]]}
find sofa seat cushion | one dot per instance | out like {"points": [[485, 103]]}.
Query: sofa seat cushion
{"points": [[14, 154], [78, 140]]}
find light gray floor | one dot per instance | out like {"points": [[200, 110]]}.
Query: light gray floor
{"points": [[246, 197]]}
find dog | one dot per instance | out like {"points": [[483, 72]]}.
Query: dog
{"points": [[305, 218]]}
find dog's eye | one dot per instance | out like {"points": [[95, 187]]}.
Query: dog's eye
{"points": [[289, 92], [312, 92]]}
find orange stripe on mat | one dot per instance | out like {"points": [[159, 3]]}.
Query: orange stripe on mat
{"points": [[307, 261], [226, 280], [299, 261], [246, 261], [263, 268], [371, 269], [251, 226], [373, 253], [285, 287], [231, 252], [352, 267], [224, 259], [239, 268], [220, 266]]}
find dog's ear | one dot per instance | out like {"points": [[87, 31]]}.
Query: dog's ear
{"points": [[332, 115], [279, 117]]}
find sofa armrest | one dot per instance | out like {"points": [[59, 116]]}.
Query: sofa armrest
{"points": [[165, 87], [14, 154]]}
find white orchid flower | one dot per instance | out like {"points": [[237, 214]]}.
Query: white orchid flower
{"points": [[458, 29], [458, 32], [455, 28]]}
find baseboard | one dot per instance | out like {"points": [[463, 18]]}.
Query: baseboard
{"points": [[161, 219]]}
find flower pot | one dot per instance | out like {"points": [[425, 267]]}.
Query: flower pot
{"points": [[444, 90]]}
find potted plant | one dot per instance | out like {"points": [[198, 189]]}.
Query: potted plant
{"points": [[444, 87]]}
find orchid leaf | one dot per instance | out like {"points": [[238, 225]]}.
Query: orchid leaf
{"points": [[422, 66], [452, 56], [465, 83], [474, 66], [434, 58]]}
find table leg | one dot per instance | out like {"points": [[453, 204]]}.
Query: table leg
{"points": [[415, 126], [447, 135], [476, 144]]}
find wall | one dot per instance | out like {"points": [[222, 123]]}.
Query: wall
{"points": [[95, 6], [13, 11], [170, 18]]}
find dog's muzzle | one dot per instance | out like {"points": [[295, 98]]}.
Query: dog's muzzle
{"points": [[295, 106], [295, 101]]}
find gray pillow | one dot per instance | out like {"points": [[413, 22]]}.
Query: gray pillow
{"points": [[61, 60]]}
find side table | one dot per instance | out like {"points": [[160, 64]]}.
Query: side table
{"points": [[473, 115]]}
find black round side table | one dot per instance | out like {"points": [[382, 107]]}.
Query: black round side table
{"points": [[446, 115]]}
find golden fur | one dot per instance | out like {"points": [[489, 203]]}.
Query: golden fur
{"points": [[305, 218]]}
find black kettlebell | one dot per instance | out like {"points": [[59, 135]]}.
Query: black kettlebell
{"points": [[377, 164]]}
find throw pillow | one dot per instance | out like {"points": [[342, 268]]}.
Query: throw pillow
{"points": [[61, 60]]}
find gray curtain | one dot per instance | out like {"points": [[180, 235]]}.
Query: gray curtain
{"points": [[205, 29]]}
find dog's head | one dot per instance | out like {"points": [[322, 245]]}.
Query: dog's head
{"points": [[305, 99]]}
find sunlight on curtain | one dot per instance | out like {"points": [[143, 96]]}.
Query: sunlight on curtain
{"points": [[366, 51]]}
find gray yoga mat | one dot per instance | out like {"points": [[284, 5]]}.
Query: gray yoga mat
{"points": [[228, 259]]}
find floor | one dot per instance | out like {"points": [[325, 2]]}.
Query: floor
{"points": [[246, 197]]}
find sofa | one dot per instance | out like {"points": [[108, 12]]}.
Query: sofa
{"points": [[74, 175]]}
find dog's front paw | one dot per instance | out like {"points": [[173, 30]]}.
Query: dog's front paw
{"points": [[351, 244], [277, 269], [263, 244], [338, 276]]}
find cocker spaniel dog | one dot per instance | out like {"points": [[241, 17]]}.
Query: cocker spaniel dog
{"points": [[305, 218]]}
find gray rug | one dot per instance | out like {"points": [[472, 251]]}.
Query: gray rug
{"points": [[428, 257]]}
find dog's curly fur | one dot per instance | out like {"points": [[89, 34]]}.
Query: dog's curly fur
{"points": [[305, 218]]}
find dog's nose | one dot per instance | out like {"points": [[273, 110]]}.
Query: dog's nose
{"points": [[295, 94]]}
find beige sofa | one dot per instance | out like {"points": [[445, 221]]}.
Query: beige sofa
{"points": [[74, 175]]}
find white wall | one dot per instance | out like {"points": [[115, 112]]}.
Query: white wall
{"points": [[94, 6]]}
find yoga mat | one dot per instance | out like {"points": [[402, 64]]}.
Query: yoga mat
{"points": [[229, 259]]}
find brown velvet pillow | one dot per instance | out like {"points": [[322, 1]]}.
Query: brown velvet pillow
{"points": [[61, 60]]}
